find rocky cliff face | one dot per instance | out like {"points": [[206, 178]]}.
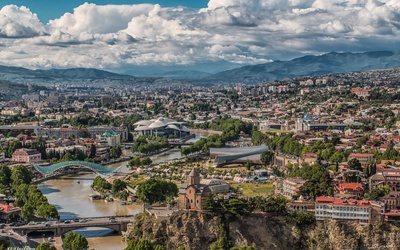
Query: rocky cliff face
{"points": [[263, 231]]}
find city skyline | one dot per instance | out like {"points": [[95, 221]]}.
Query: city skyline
{"points": [[209, 36]]}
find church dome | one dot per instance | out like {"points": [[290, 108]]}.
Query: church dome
{"points": [[307, 117]]}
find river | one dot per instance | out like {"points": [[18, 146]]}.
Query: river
{"points": [[70, 196]]}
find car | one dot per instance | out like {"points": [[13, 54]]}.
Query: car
{"points": [[112, 220], [31, 223], [47, 224], [82, 220], [67, 222], [76, 220]]}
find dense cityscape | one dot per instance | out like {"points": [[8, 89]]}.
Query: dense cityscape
{"points": [[307, 149], [200, 125]]}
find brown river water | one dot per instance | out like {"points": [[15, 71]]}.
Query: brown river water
{"points": [[70, 196]]}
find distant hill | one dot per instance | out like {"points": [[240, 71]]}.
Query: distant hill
{"points": [[87, 73], [185, 74], [74, 76], [310, 65]]}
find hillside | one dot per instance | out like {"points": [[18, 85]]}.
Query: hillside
{"points": [[310, 65], [263, 231]]}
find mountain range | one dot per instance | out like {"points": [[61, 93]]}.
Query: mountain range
{"points": [[311, 65]]}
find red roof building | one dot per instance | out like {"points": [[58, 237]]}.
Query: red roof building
{"points": [[362, 158], [360, 92], [351, 188], [9, 213], [363, 211]]}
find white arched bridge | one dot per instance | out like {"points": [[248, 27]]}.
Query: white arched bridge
{"points": [[57, 169]]}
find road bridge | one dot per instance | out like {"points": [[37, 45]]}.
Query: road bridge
{"points": [[180, 143], [118, 224]]}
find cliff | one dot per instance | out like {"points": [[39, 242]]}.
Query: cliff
{"points": [[263, 231]]}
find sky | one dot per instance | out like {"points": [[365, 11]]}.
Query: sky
{"points": [[213, 35]]}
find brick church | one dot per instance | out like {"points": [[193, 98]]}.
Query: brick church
{"points": [[193, 194]]}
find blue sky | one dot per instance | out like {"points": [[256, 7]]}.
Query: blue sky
{"points": [[210, 35], [51, 9]]}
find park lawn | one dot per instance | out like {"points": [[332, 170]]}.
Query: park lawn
{"points": [[254, 189]]}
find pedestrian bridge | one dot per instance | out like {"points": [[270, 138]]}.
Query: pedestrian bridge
{"points": [[118, 224], [97, 168]]}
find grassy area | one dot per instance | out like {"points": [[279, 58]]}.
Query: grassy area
{"points": [[254, 189], [132, 182]]}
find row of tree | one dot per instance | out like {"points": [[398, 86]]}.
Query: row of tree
{"points": [[144, 146], [28, 197], [136, 161]]}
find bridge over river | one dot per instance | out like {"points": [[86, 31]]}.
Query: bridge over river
{"points": [[117, 223], [68, 167]]}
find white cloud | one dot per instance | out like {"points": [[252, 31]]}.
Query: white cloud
{"points": [[235, 31], [19, 22]]}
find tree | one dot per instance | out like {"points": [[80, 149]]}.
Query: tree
{"points": [[146, 161], [5, 175], [14, 145], [45, 246], [354, 164], [83, 133], [28, 212], [374, 194], [115, 152], [92, 151], [134, 162], [101, 184], [4, 243], [318, 182], [118, 185], [21, 175], [337, 157], [156, 190], [74, 241], [143, 244], [266, 157], [47, 211]]}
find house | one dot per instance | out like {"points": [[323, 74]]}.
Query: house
{"points": [[9, 213], [362, 158], [26, 155], [308, 158], [363, 211], [351, 188]]}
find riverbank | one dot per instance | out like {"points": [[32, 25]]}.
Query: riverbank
{"points": [[209, 131]]}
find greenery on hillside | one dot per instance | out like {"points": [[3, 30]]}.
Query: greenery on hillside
{"points": [[28, 197], [156, 190]]}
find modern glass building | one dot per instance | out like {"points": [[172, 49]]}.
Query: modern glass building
{"points": [[162, 127]]}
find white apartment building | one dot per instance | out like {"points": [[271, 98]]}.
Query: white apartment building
{"points": [[363, 211], [291, 186]]}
